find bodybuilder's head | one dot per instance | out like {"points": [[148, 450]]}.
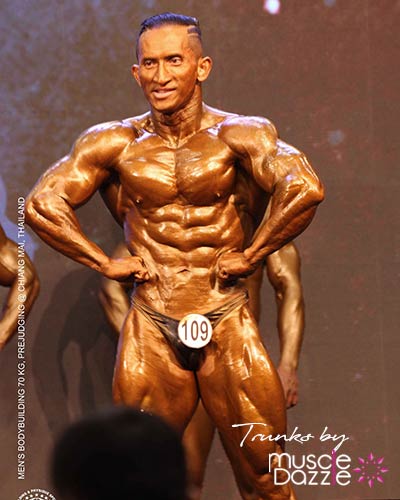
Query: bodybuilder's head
{"points": [[171, 64]]}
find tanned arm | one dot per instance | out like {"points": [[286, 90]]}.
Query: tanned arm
{"points": [[286, 175], [283, 269], [9, 278], [69, 184]]}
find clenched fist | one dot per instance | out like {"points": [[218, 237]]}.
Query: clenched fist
{"points": [[126, 269], [233, 265]]}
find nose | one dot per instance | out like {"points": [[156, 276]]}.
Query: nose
{"points": [[162, 75]]}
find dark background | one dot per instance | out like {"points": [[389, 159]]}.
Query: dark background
{"points": [[326, 73]]}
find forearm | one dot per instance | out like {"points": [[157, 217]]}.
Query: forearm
{"points": [[32, 287], [19, 300], [54, 220], [290, 329], [292, 209], [9, 316]]}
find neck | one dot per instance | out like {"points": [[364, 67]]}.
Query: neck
{"points": [[180, 124]]}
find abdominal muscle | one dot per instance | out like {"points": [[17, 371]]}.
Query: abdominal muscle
{"points": [[181, 255]]}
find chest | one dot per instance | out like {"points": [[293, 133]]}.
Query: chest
{"points": [[198, 172]]}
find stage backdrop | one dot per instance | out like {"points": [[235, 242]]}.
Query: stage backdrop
{"points": [[326, 73]]}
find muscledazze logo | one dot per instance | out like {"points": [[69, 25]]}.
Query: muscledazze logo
{"points": [[324, 470], [311, 470], [370, 469], [332, 469]]}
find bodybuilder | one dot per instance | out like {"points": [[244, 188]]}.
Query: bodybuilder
{"points": [[283, 270], [178, 170], [10, 278]]}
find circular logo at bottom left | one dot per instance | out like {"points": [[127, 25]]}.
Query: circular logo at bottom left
{"points": [[36, 494]]}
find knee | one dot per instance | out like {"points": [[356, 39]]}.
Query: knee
{"points": [[275, 491], [263, 488], [267, 481], [129, 386]]}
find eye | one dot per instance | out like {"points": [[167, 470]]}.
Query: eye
{"points": [[175, 60], [148, 63]]}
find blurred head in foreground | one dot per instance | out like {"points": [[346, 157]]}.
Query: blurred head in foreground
{"points": [[121, 454]]}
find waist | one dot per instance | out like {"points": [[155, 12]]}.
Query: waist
{"points": [[215, 315], [176, 298]]}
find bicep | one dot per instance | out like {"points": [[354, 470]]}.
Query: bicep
{"points": [[282, 167], [74, 178], [77, 176]]}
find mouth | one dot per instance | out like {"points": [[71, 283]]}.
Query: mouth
{"points": [[161, 93]]}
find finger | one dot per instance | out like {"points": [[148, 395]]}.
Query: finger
{"points": [[223, 274], [289, 398], [141, 275], [292, 400]]}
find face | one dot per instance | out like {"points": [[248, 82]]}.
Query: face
{"points": [[170, 67]]}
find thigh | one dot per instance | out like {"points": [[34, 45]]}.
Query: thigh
{"points": [[147, 374], [241, 391]]}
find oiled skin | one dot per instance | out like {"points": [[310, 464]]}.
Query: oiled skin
{"points": [[9, 278], [283, 269], [181, 228], [177, 174]]}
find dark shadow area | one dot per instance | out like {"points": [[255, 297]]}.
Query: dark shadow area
{"points": [[89, 367]]}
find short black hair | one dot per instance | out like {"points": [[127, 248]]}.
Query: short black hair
{"points": [[171, 19], [121, 453]]}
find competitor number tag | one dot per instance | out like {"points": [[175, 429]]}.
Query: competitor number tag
{"points": [[195, 330]]}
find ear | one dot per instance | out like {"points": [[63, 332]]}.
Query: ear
{"points": [[203, 68], [135, 73]]}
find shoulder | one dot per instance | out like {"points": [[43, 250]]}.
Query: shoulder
{"points": [[249, 134], [118, 130], [253, 123], [114, 131], [105, 141]]}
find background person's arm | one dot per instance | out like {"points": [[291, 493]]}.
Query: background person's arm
{"points": [[283, 269], [9, 278], [113, 295]]}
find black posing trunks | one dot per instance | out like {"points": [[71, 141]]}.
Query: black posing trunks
{"points": [[189, 358]]}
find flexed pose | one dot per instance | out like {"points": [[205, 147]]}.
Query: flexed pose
{"points": [[178, 172], [283, 270], [9, 277]]}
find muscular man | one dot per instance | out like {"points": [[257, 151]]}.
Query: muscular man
{"points": [[177, 170], [9, 278], [283, 270]]}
